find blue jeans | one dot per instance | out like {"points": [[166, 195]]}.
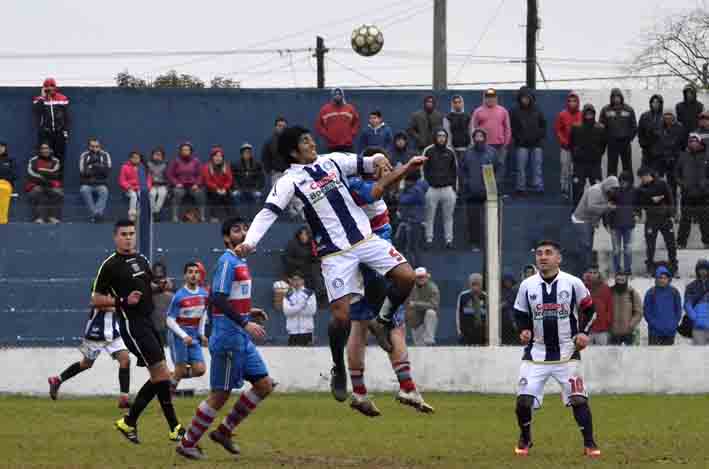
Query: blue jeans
{"points": [[529, 160], [622, 240], [99, 206], [584, 245]]}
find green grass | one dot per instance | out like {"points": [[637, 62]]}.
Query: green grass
{"points": [[314, 431]]}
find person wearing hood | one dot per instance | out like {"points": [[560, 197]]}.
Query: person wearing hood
{"points": [[157, 176], [565, 121], [423, 123], [696, 303], [529, 129], [662, 309], [587, 144], [627, 310], [597, 201], [509, 333], [52, 118], [8, 175], [338, 123], [274, 164], [495, 120], [440, 172], [671, 140], [621, 223], [218, 179], [473, 190], [249, 177], [377, 134], [689, 108], [692, 174], [621, 126], [44, 186], [654, 196], [457, 124], [400, 152], [410, 231], [650, 127], [94, 169], [603, 302], [185, 176]]}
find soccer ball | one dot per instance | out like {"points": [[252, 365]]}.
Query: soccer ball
{"points": [[367, 40]]}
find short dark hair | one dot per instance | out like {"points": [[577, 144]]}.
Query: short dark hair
{"points": [[371, 151], [377, 113], [288, 141], [123, 223], [644, 171], [231, 222], [280, 119], [158, 149], [190, 264], [92, 139], [296, 273], [548, 242]]}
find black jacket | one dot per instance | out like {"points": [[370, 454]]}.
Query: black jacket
{"points": [[692, 173], [650, 125], [249, 176], [8, 168], [94, 168], [270, 157], [587, 143], [620, 121], [687, 110], [528, 124], [656, 212], [51, 114], [458, 126], [670, 142], [441, 168], [298, 256], [623, 217]]}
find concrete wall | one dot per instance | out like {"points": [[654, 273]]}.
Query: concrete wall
{"points": [[484, 370]]}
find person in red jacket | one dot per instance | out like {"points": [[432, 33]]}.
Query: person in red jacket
{"points": [[129, 182], [51, 117], [44, 186], [570, 116], [217, 177], [185, 176], [603, 301], [338, 123]]}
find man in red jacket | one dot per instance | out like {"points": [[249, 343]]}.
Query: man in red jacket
{"points": [[603, 301], [338, 123], [51, 117], [217, 177], [570, 116]]}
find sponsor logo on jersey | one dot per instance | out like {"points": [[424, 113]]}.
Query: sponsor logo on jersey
{"points": [[551, 310], [322, 187], [338, 283]]}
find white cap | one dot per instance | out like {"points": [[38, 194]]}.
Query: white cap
{"points": [[421, 271]]}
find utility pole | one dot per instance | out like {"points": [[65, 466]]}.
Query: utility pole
{"points": [[532, 28], [320, 51], [440, 47]]}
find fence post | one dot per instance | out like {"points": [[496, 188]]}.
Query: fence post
{"points": [[492, 255]]}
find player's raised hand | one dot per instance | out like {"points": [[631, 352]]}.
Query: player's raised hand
{"points": [[416, 162], [134, 297], [256, 331], [525, 336], [187, 340], [243, 250], [582, 341]]}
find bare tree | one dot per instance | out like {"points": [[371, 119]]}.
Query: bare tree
{"points": [[678, 46]]}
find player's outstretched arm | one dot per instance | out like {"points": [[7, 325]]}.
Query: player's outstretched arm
{"points": [[221, 301], [394, 177]]}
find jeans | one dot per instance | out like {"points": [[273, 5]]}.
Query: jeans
{"points": [[132, 197], [584, 238], [622, 240], [220, 205], [446, 197], [408, 240], [666, 228], [425, 334], [475, 221], [700, 336], [46, 202], [628, 339], [501, 170], [179, 193], [158, 196], [567, 171], [97, 207], [529, 159]]}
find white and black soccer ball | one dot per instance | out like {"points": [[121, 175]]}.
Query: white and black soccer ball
{"points": [[367, 40]]}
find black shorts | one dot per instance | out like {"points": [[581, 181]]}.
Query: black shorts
{"points": [[143, 340]]}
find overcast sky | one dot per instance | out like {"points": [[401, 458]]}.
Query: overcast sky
{"points": [[605, 31]]}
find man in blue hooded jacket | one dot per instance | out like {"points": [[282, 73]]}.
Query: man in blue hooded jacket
{"points": [[662, 309], [696, 303]]}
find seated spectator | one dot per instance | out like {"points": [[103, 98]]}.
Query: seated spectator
{"points": [[627, 310], [509, 334], [655, 197], [300, 257], [409, 233], [692, 174], [696, 303], [603, 301], [400, 151], [129, 181], [471, 313], [163, 289], [185, 176], [528, 133], [621, 223], [299, 308], [338, 123], [249, 177], [8, 175], [587, 144], [157, 176], [94, 169], [441, 174], [662, 308], [422, 309], [218, 179], [44, 186], [377, 134]]}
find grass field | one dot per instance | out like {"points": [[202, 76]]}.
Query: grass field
{"points": [[314, 431]]}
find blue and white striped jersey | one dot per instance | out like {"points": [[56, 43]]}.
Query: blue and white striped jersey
{"points": [[554, 312], [102, 326]]}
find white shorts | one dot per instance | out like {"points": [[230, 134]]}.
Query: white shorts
{"points": [[341, 271], [91, 349], [533, 377]]}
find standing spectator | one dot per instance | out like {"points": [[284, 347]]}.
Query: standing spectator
{"points": [[457, 124], [671, 141], [509, 334], [377, 134], [565, 121], [410, 232], [703, 129], [655, 198], [473, 191], [299, 308], [185, 176], [129, 182], [662, 308], [163, 289], [300, 256], [440, 172], [249, 177], [338, 123], [603, 302], [94, 168], [424, 123], [422, 309], [44, 186], [649, 129], [696, 303], [157, 176], [400, 152], [622, 126], [495, 120], [689, 108], [471, 313], [217, 178], [52, 118], [8, 175], [274, 163], [621, 223], [587, 144], [627, 310], [692, 174], [529, 129]]}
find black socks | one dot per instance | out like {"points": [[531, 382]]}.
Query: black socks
{"points": [[71, 371]]}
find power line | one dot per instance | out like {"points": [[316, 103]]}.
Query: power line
{"points": [[355, 71], [482, 36]]}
